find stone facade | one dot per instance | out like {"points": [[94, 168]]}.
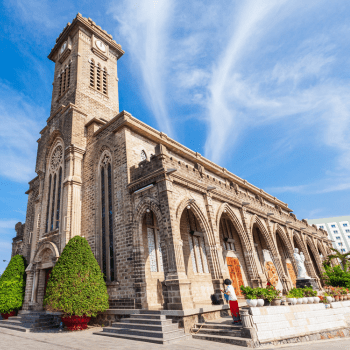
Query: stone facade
{"points": [[161, 220]]}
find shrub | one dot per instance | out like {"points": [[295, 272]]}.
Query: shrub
{"points": [[76, 285], [336, 276], [309, 292], [248, 292], [271, 293], [12, 285]]}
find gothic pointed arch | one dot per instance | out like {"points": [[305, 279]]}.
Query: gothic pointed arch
{"points": [[315, 258], [301, 246], [53, 186], [236, 248], [235, 221], [286, 254], [271, 247], [150, 252], [203, 253], [46, 252], [105, 234]]}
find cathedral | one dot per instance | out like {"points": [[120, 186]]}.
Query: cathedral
{"points": [[165, 224]]}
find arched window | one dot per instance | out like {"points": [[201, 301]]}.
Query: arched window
{"points": [[55, 170], [48, 205], [107, 239], [58, 198], [98, 77], [197, 245], [153, 239], [226, 230], [92, 73], [104, 81]]}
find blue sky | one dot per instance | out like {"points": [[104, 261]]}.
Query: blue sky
{"points": [[260, 87]]}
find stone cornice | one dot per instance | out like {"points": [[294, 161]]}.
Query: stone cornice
{"points": [[127, 120], [89, 24], [74, 149]]}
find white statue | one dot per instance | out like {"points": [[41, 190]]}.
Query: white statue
{"points": [[300, 259]]}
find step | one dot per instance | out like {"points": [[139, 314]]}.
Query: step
{"points": [[14, 327], [147, 327], [149, 316], [145, 339], [215, 331], [225, 339], [218, 326], [149, 312], [143, 333], [30, 324], [145, 321]]}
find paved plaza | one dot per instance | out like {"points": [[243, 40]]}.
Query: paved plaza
{"points": [[86, 340]]}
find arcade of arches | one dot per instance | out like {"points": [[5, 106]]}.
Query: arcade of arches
{"points": [[248, 258]]}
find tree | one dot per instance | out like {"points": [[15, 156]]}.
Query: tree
{"points": [[343, 258], [76, 285], [12, 285]]}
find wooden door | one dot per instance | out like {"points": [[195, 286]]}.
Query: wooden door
{"points": [[234, 269]]}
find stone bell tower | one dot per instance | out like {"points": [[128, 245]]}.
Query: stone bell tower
{"points": [[84, 96], [85, 59]]}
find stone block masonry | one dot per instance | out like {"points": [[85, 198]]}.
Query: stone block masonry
{"points": [[288, 324]]}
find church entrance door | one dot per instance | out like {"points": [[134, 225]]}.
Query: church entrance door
{"points": [[234, 269]]}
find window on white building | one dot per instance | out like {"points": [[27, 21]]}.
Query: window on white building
{"points": [[343, 250], [340, 244], [337, 237], [347, 231], [322, 227], [335, 231], [333, 226], [345, 225]]}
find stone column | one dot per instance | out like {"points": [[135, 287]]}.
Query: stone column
{"points": [[71, 214], [178, 295], [216, 258]]}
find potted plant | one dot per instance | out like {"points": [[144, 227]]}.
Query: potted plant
{"points": [[291, 296], [327, 297], [12, 286], [344, 293], [272, 295], [260, 294], [250, 296], [76, 286]]}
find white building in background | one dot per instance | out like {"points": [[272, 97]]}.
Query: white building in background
{"points": [[338, 229]]}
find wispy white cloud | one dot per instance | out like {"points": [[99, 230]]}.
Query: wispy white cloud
{"points": [[230, 65], [18, 135], [145, 25]]}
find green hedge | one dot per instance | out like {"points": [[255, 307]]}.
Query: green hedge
{"points": [[12, 285], [76, 285]]}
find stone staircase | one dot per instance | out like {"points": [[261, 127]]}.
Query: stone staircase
{"points": [[32, 321], [222, 332], [148, 326]]}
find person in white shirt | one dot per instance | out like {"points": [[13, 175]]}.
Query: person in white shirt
{"points": [[232, 299]]}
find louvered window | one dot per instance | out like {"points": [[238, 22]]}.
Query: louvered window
{"points": [[92, 73], [98, 78], [104, 81]]}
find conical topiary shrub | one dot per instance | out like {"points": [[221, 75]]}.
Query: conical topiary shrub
{"points": [[12, 286], [76, 286]]}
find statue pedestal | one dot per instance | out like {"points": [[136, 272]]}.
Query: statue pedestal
{"points": [[307, 282]]}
